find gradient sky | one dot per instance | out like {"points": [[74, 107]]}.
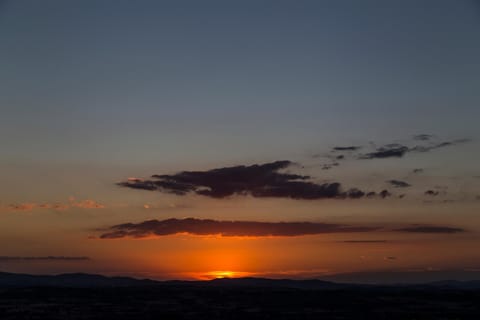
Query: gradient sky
{"points": [[95, 92]]}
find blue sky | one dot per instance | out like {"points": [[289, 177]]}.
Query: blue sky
{"points": [[102, 81]]}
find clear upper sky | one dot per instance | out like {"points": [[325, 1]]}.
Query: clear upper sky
{"points": [[94, 92]]}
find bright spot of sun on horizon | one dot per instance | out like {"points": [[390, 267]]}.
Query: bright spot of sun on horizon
{"points": [[222, 274], [225, 274]]}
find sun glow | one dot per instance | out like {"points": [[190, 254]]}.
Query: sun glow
{"points": [[221, 274], [225, 274]]}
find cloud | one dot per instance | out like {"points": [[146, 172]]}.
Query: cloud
{"points": [[29, 206], [384, 194], [204, 227], [388, 151], [330, 166], [259, 181], [396, 150], [422, 137], [364, 241], [350, 148], [399, 184], [438, 145], [45, 258], [209, 227], [430, 229], [87, 204], [32, 206], [431, 193]]}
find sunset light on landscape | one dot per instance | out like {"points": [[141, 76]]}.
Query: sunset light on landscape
{"points": [[214, 140]]}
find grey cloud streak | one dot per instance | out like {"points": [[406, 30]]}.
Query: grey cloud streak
{"points": [[205, 227]]}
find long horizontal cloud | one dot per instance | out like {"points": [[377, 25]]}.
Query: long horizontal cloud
{"points": [[45, 258], [364, 241], [396, 150], [349, 148], [388, 151], [204, 227], [430, 229], [262, 180], [225, 228], [72, 203]]}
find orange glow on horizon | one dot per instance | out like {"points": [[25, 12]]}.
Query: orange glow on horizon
{"points": [[221, 274]]}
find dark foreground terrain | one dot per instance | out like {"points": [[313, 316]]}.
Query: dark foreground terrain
{"points": [[181, 301]]}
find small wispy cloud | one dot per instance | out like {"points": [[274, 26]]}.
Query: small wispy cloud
{"points": [[364, 241], [399, 183], [42, 258], [72, 203], [431, 193], [396, 150], [430, 229]]}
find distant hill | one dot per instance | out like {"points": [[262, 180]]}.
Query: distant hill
{"points": [[69, 280], [433, 277], [278, 283], [83, 280]]}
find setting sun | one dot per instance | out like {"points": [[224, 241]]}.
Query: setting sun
{"points": [[222, 274]]}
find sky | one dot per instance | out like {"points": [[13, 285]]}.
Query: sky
{"points": [[202, 139]]}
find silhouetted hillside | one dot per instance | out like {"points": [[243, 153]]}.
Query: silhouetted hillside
{"points": [[83, 280]]}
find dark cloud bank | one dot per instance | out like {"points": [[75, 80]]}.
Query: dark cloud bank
{"points": [[264, 180], [246, 228]]}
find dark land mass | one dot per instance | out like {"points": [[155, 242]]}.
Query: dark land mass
{"points": [[81, 296]]}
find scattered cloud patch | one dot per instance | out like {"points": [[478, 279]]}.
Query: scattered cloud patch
{"points": [[438, 145], [431, 193], [396, 150], [87, 204], [330, 166], [399, 184], [384, 194], [259, 180], [422, 137], [388, 151]]}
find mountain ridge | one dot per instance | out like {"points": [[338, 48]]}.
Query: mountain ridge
{"points": [[96, 280]]}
